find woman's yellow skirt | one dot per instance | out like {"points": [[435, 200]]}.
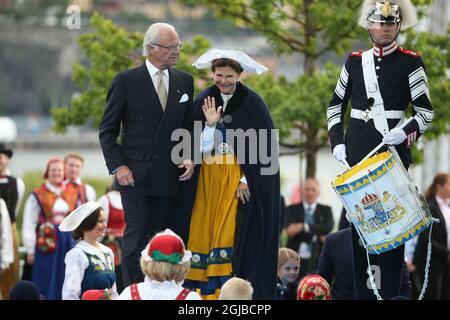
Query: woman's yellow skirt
{"points": [[213, 224]]}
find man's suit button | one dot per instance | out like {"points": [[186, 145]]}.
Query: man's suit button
{"points": [[155, 156]]}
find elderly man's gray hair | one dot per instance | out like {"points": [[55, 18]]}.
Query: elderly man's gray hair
{"points": [[152, 35]]}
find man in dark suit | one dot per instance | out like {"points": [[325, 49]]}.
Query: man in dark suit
{"points": [[307, 224], [147, 103], [336, 262]]}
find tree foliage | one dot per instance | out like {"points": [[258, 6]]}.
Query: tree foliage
{"points": [[317, 29]]}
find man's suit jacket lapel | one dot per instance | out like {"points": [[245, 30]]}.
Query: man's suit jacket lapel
{"points": [[301, 213], [172, 98], [147, 90], [316, 213], [174, 90], [149, 96]]}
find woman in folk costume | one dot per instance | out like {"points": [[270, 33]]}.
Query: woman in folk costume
{"points": [[45, 245], [6, 241], [235, 205], [111, 202], [165, 263], [90, 265]]}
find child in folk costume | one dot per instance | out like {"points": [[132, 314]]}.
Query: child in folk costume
{"points": [[90, 265], [111, 202], [165, 263], [25, 290], [313, 287], [45, 245], [96, 295], [236, 289]]}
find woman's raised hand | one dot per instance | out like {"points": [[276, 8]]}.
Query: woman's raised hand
{"points": [[212, 114]]}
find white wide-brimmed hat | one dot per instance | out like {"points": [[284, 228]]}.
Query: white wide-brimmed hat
{"points": [[76, 217], [246, 62]]}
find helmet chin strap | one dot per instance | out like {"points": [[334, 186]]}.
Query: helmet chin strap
{"points": [[380, 45]]}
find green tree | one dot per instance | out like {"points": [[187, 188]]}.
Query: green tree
{"points": [[110, 49], [313, 28]]}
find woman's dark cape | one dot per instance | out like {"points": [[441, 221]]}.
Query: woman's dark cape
{"points": [[255, 251]]}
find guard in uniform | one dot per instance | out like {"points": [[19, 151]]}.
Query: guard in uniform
{"points": [[399, 78]]}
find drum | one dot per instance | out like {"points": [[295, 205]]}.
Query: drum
{"points": [[382, 203]]}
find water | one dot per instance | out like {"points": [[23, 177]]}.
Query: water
{"points": [[36, 160]]}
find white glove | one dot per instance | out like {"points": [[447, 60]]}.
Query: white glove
{"points": [[395, 136], [339, 152]]}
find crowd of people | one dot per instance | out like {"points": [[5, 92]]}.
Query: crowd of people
{"points": [[47, 248], [73, 262], [192, 229]]}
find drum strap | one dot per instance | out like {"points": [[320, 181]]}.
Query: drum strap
{"points": [[427, 267], [373, 92]]}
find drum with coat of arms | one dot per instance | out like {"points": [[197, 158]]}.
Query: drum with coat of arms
{"points": [[382, 203]]}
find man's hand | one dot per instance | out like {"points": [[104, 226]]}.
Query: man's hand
{"points": [[339, 153], [188, 164], [125, 176], [243, 193], [30, 259], [322, 238], [209, 110], [410, 266], [394, 137], [294, 228]]}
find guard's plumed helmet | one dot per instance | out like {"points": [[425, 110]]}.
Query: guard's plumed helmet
{"points": [[388, 11]]}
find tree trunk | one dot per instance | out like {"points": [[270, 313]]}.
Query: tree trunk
{"points": [[311, 148], [309, 65], [311, 163]]}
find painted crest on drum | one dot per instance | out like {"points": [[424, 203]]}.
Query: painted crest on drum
{"points": [[382, 203]]}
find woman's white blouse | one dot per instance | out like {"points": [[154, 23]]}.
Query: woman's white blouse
{"points": [[31, 217]]}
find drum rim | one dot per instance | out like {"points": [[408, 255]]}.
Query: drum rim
{"points": [[404, 237], [342, 178]]}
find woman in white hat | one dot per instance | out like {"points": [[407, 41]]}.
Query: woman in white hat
{"points": [[90, 264], [234, 225], [165, 263]]}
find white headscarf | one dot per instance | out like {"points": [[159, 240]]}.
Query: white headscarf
{"points": [[247, 63]]}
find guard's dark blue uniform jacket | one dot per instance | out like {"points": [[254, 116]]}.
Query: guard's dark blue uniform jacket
{"points": [[402, 81]]}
